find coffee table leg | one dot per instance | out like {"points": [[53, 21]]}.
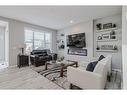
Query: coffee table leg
{"points": [[61, 72], [46, 66], [76, 64]]}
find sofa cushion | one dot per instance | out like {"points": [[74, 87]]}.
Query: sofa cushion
{"points": [[91, 66], [44, 53], [101, 57], [36, 52]]}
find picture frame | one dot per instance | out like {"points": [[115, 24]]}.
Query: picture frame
{"points": [[106, 36], [107, 25], [107, 47]]}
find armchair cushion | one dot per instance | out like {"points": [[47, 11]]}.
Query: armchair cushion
{"points": [[91, 66]]}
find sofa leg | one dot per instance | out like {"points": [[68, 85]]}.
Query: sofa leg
{"points": [[71, 86]]}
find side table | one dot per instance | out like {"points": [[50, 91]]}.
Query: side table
{"points": [[22, 60]]}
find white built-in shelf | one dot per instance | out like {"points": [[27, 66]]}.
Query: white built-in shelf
{"points": [[114, 51], [107, 40], [105, 30]]}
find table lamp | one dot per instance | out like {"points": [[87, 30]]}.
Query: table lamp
{"points": [[21, 47]]}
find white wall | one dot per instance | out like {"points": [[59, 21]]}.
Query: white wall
{"points": [[124, 46], [16, 36], [84, 27], [116, 57]]}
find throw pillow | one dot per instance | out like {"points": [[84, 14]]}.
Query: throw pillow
{"points": [[101, 57], [94, 64], [91, 66]]}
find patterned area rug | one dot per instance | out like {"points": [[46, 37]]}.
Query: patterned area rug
{"points": [[53, 74]]}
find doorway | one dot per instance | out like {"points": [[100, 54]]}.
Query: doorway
{"points": [[4, 45]]}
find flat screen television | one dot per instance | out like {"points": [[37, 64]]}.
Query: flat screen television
{"points": [[76, 40]]}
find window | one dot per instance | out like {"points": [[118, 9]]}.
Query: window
{"points": [[29, 40], [47, 40], [39, 40], [35, 39]]}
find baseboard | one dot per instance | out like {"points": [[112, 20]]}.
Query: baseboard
{"points": [[14, 66], [116, 70]]}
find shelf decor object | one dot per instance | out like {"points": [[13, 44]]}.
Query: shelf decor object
{"points": [[99, 26], [107, 25], [107, 48], [60, 42], [106, 36]]}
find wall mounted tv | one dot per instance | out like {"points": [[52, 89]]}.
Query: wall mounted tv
{"points": [[76, 40]]}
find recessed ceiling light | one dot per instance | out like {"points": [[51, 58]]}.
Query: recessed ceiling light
{"points": [[71, 21]]}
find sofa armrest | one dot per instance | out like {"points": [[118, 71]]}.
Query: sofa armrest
{"points": [[84, 79], [32, 55]]}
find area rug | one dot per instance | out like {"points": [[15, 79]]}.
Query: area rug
{"points": [[53, 74]]}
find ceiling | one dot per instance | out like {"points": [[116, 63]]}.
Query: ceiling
{"points": [[57, 17]]}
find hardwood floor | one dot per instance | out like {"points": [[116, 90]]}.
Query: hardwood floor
{"points": [[24, 78]]}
